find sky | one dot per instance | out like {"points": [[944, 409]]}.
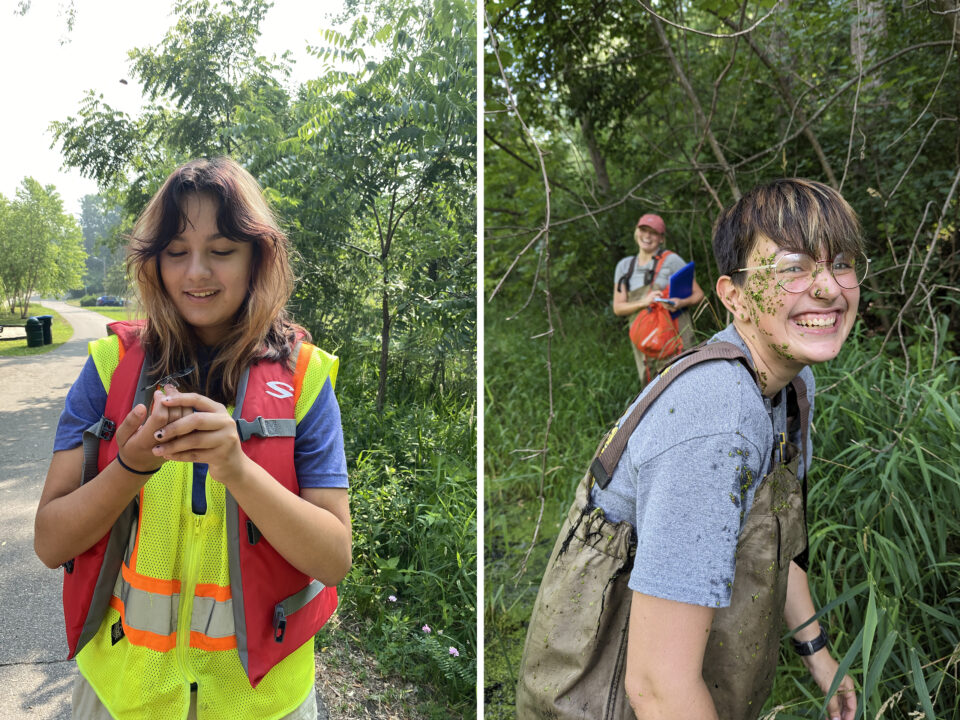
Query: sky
{"points": [[43, 81]]}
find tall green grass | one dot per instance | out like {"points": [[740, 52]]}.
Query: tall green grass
{"points": [[885, 531], [884, 504]]}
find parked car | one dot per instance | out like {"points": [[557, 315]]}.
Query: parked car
{"points": [[105, 300]]}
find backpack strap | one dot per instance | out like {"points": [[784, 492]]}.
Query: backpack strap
{"points": [[624, 281], [799, 396], [608, 456]]}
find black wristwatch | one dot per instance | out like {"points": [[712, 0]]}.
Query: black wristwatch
{"points": [[809, 647]]}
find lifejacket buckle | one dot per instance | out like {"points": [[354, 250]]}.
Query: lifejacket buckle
{"points": [[279, 622], [107, 429], [246, 429]]}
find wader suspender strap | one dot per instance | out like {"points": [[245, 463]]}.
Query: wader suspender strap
{"points": [[265, 428], [606, 460], [803, 408], [625, 280]]}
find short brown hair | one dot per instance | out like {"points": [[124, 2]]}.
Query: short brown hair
{"points": [[262, 328], [794, 213]]}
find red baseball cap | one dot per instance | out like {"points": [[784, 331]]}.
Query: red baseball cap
{"points": [[655, 222]]}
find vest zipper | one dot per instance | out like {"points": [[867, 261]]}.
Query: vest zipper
{"points": [[187, 588]]}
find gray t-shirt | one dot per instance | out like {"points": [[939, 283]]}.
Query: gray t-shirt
{"points": [[671, 263], [688, 474]]}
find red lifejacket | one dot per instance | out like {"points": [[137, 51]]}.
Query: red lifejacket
{"points": [[276, 607]]}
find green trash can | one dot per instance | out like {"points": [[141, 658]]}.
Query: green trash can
{"points": [[47, 322], [34, 332]]}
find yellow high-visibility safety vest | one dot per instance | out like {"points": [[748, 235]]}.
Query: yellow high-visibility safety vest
{"points": [[170, 624]]}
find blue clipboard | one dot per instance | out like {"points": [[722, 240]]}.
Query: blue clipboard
{"points": [[681, 284]]}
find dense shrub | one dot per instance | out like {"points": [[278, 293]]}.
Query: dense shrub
{"points": [[413, 505]]}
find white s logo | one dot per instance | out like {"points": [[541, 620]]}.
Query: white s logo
{"points": [[280, 389]]}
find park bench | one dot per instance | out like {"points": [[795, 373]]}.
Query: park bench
{"points": [[14, 335]]}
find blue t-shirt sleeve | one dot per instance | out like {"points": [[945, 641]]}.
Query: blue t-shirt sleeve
{"points": [[318, 449], [84, 405]]}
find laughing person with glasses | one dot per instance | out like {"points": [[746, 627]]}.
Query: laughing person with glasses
{"points": [[791, 262], [686, 549]]}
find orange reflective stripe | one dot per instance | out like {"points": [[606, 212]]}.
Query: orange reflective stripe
{"points": [[143, 638], [212, 590], [122, 350], [202, 642], [149, 584], [303, 359]]}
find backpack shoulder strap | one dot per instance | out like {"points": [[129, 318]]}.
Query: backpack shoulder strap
{"points": [[625, 279], [797, 393], [608, 456]]}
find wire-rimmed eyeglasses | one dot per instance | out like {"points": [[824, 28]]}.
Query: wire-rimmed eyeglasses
{"points": [[795, 272]]}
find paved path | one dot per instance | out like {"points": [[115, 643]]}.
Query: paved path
{"points": [[35, 678]]}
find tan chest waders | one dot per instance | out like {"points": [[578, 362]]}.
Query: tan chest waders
{"points": [[574, 659], [648, 367]]}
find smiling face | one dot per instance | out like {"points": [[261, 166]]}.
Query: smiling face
{"points": [[206, 274], [648, 239], [784, 330]]}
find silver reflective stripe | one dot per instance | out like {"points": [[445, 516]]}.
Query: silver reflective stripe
{"points": [[151, 612], [212, 618], [301, 599], [158, 613]]}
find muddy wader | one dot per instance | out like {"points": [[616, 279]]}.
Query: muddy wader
{"points": [[574, 659]]}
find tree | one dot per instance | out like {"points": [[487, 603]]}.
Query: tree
{"points": [[390, 140], [725, 95], [100, 222], [41, 247], [195, 79]]}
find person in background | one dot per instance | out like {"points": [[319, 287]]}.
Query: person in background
{"points": [[640, 278]]}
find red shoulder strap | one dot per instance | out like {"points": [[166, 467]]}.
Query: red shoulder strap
{"points": [[123, 383], [660, 258]]}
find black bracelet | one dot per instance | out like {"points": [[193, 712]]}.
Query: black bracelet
{"points": [[130, 469], [809, 647]]}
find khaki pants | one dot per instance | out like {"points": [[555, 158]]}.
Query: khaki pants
{"points": [[87, 706]]}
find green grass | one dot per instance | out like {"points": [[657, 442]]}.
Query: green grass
{"points": [[883, 499], [60, 331], [116, 313], [128, 312]]}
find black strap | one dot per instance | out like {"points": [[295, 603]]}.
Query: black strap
{"points": [[625, 280], [802, 401], [608, 456]]}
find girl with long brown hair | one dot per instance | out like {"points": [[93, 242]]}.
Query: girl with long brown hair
{"points": [[197, 495]]}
